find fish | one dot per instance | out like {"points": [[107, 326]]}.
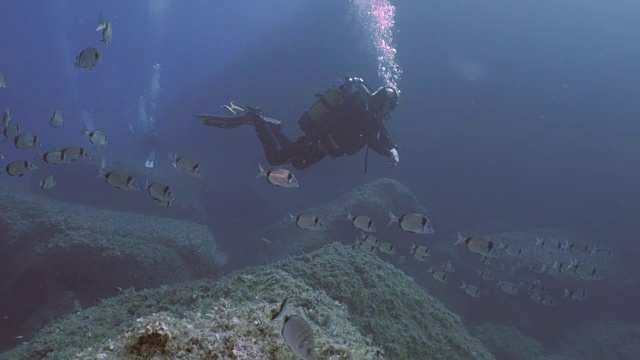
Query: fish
{"points": [[579, 249], [387, 248], [486, 274], [107, 29], [551, 246], [543, 299], [420, 252], [26, 141], [48, 183], [53, 157], [478, 245], [88, 58], [439, 275], [186, 165], [370, 239], [96, 137], [161, 191], [575, 294], [587, 271], [511, 250], [508, 287], [448, 267], [264, 239], [7, 116], [279, 177], [412, 222], [362, 222], [471, 290], [366, 247], [121, 180], [3, 81], [20, 168], [73, 153], [296, 332], [298, 336], [162, 202], [307, 221], [56, 119], [11, 131]]}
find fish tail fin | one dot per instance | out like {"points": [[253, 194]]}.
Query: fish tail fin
{"points": [[349, 216], [459, 238], [479, 273], [392, 218], [566, 293], [463, 286], [261, 171], [100, 172], [430, 270], [291, 218], [539, 241], [101, 23], [594, 250], [282, 311]]}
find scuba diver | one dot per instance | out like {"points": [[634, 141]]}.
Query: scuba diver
{"points": [[344, 119]]}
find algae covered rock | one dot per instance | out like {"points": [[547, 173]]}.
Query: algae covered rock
{"points": [[49, 247], [346, 299]]}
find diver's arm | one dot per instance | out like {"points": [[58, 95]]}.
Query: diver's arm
{"points": [[380, 142]]}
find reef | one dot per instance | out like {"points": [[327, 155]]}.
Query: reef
{"points": [[358, 306], [56, 257]]}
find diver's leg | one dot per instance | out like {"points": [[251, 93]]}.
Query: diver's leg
{"points": [[309, 153], [278, 149]]}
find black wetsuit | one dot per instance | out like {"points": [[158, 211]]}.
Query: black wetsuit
{"points": [[346, 131]]}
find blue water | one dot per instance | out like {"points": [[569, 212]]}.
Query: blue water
{"points": [[511, 112]]}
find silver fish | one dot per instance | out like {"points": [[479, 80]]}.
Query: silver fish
{"points": [[366, 247], [6, 117], [587, 271], [551, 246], [48, 183], [187, 166], [279, 177], [120, 180], [26, 141], [471, 290], [420, 252], [579, 249], [299, 338], [387, 248], [511, 250], [486, 274], [508, 287], [20, 168], [308, 221], [439, 275], [575, 294], [53, 157], [362, 222], [478, 245], [412, 222], [56, 119], [11, 131], [161, 191], [370, 239], [73, 153], [543, 299], [106, 28], [88, 58], [97, 137]]}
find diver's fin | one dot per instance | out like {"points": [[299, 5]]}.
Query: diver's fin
{"points": [[233, 108], [226, 122], [150, 160]]}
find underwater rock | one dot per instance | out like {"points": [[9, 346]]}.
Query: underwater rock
{"points": [[374, 199], [345, 299], [48, 248]]}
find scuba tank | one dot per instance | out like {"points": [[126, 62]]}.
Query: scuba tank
{"points": [[311, 122]]}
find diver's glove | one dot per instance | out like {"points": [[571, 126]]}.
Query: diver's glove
{"points": [[395, 158]]}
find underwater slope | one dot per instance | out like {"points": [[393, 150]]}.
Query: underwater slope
{"points": [[345, 297]]}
